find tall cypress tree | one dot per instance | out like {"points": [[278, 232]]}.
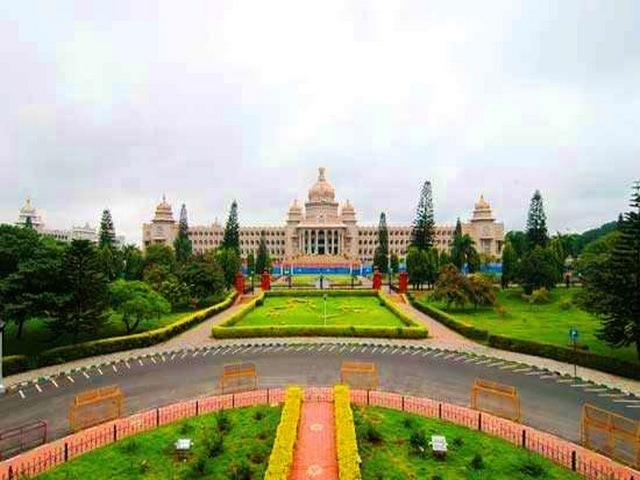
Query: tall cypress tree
{"points": [[231, 237], [509, 265], [537, 223], [107, 231], [612, 288], [382, 250], [263, 262], [423, 233], [28, 223], [458, 246], [182, 243]]}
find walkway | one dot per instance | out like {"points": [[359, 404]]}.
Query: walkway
{"points": [[315, 453]]}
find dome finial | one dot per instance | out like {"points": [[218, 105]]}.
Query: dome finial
{"points": [[321, 171]]}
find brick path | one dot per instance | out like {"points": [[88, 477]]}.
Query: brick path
{"points": [[315, 453]]}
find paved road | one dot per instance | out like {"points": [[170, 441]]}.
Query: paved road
{"points": [[549, 402]]}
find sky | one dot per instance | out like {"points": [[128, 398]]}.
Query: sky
{"points": [[111, 104]]}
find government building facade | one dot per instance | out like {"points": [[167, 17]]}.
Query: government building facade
{"points": [[323, 228]]}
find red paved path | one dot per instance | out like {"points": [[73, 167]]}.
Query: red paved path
{"points": [[315, 454]]}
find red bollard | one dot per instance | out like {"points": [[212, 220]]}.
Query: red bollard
{"points": [[377, 280], [403, 282], [265, 281], [239, 283]]}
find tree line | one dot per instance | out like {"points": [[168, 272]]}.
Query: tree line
{"points": [[74, 287]]}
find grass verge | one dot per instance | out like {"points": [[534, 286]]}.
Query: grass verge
{"points": [[394, 446], [237, 446]]}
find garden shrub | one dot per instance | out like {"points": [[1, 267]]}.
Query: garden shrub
{"points": [[418, 442], [14, 364], [281, 457], [346, 443], [565, 304], [541, 296], [223, 422], [371, 433], [532, 467], [477, 463]]}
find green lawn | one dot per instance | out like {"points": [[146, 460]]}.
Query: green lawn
{"points": [[150, 455], [549, 323], [383, 443], [36, 337], [341, 311]]}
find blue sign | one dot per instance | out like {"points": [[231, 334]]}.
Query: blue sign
{"points": [[573, 334]]}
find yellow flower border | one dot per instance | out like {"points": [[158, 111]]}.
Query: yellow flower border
{"points": [[281, 458], [346, 443]]}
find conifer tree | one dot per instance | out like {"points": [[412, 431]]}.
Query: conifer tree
{"points": [[612, 285], [182, 243], [509, 265], [423, 232], [537, 223], [263, 262], [28, 223], [251, 263], [382, 250], [231, 237], [107, 231], [458, 246]]}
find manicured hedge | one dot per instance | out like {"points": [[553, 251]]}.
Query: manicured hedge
{"points": [[294, 292], [281, 458], [346, 442], [563, 354], [115, 344], [468, 331], [14, 364], [401, 314], [318, 331], [241, 312]]}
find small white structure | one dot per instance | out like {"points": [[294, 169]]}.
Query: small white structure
{"points": [[439, 445]]}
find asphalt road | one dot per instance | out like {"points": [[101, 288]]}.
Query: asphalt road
{"points": [[549, 402]]}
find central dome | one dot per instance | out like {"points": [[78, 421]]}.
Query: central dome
{"points": [[322, 190]]}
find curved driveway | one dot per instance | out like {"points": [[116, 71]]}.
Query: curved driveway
{"points": [[549, 402]]}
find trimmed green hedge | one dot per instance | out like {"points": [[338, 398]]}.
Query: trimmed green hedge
{"points": [[293, 292], [227, 329], [464, 329], [14, 364], [318, 331], [563, 354], [103, 346]]}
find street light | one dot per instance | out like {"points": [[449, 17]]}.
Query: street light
{"points": [[2, 325]]}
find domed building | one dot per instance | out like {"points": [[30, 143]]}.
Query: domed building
{"points": [[324, 232]]}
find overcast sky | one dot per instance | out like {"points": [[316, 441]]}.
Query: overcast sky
{"points": [[110, 104]]}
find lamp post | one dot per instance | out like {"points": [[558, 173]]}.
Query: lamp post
{"points": [[2, 325]]}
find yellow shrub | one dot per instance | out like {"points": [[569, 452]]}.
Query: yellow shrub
{"points": [[346, 443], [281, 457]]}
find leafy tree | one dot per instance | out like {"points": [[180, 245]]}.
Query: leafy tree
{"points": [[251, 263], [451, 286], [416, 266], [132, 264], [205, 278], [536, 223], [431, 267], [182, 243], [109, 262], [556, 247], [518, 241], [395, 262], [16, 245], [231, 238], [177, 293], [458, 247], [509, 264], [444, 258], [473, 259], [136, 301], [107, 236], [83, 305], [423, 232], [380, 257], [612, 284], [230, 262], [263, 261], [33, 289], [538, 268], [480, 290]]}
